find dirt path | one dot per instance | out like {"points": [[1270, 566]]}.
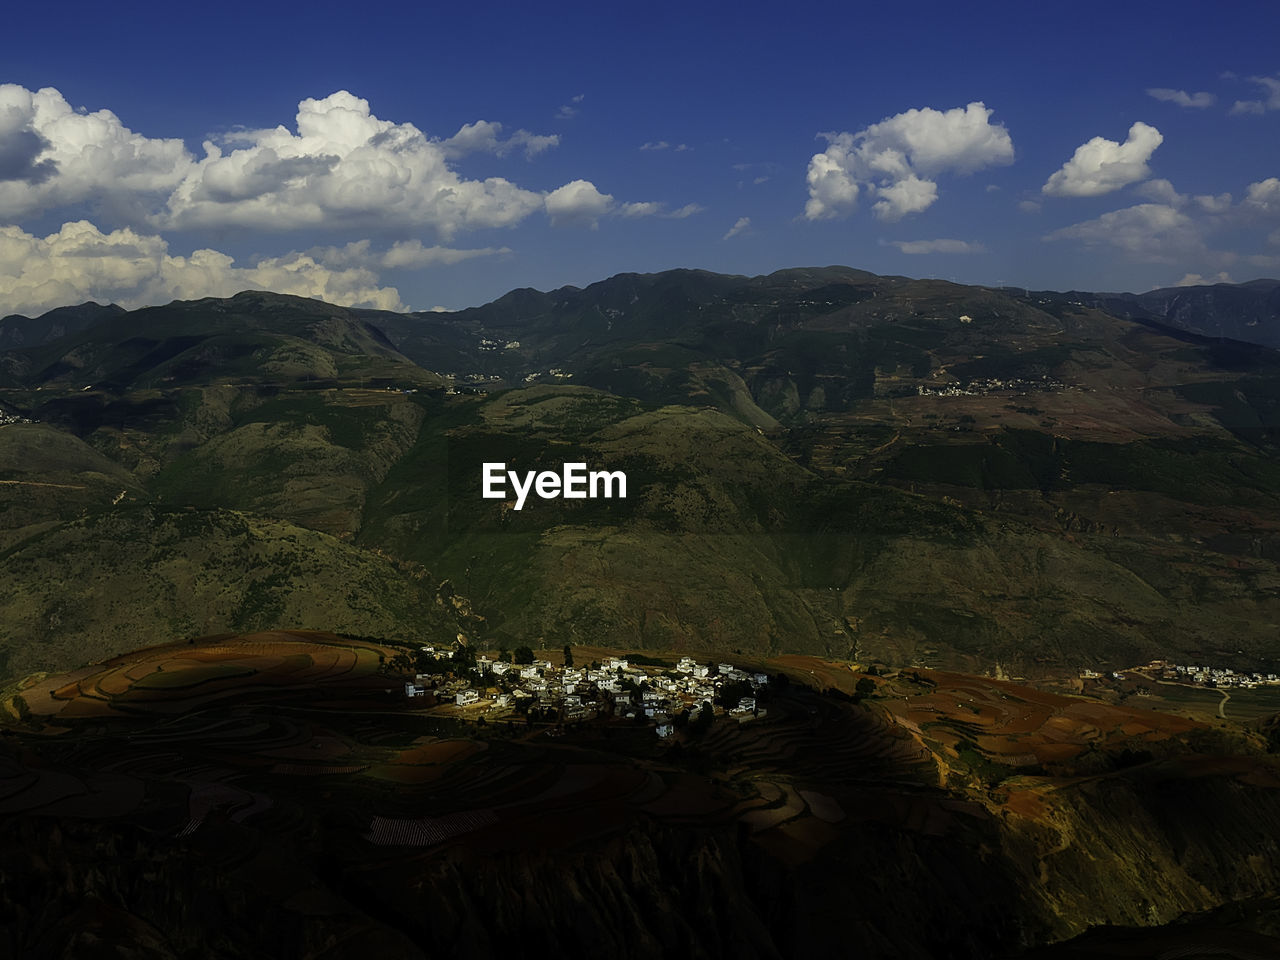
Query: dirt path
{"points": [[33, 483]]}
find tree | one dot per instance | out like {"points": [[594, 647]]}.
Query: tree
{"points": [[730, 693], [523, 655], [568, 655], [702, 720], [865, 687]]}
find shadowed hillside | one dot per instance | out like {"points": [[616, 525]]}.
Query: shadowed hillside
{"points": [[819, 460]]}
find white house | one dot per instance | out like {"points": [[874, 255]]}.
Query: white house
{"points": [[467, 697]]}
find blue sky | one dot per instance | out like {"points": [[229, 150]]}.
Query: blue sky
{"points": [[423, 157]]}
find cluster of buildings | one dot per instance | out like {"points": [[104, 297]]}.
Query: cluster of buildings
{"points": [[1210, 676], [489, 346], [555, 372], [980, 388], [6, 417], [614, 687]]}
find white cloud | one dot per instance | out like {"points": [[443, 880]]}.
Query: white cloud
{"points": [[571, 109], [1264, 195], [340, 168], [1177, 227], [344, 168], [402, 255], [915, 247], [1182, 98], [908, 195], [52, 156], [659, 145], [1102, 166], [688, 210], [578, 203], [1161, 191], [1219, 203], [1154, 232], [483, 136], [1195, 280], [1270, 100], [742, 225], [897, 159], [80, 263], [651, 209], [1030, 206], [641, 209]]}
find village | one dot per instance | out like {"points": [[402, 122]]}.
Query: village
{"points": [[7, 418], [1163, 670], [518, 686], [980, 388]]}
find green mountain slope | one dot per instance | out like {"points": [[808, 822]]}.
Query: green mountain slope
{"points": [[818, 460]]}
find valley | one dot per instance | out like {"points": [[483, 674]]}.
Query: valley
{"points": [[886, 616]]}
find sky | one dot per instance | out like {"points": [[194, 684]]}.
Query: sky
{"points": [[417, 157]]}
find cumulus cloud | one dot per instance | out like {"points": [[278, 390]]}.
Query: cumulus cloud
{"points": [[1030, 206], [1102, 166], [742, 225], [578, 203], [52, 156], [664, 145], [1264, 196], [1176, 227], [80, 263], [916, 247], [1269, 101], [344, 167], [340, 168], [908, 195], [1162, 191], [897, 159], [1182, 98], [484, 136], [1154, 232]]}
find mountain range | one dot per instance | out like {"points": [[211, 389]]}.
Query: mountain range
{"points": [[820, 460]]}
